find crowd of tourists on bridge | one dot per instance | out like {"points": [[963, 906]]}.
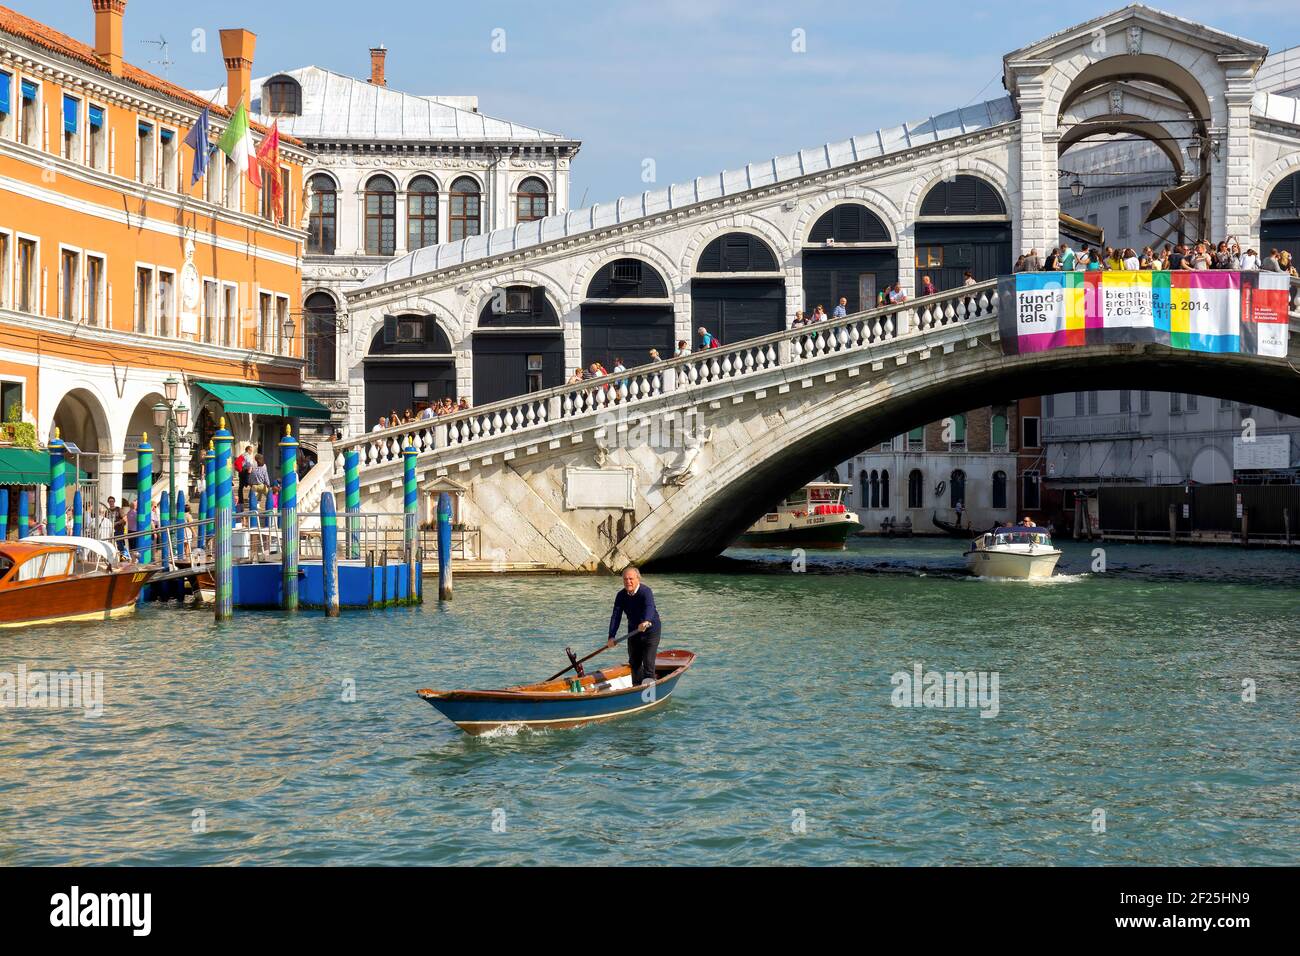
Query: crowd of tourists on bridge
{"points": [[1226, 254], [443, 406]]}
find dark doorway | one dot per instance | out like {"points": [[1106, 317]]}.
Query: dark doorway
{"points": [[1279, 226], [621, 317], [951, 241], [518, 347], [736, 309], [849, 254], [409, 365]]}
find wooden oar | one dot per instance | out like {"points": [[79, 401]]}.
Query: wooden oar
{"points": [[575, 663]]}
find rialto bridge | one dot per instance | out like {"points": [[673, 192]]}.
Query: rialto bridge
{"points": [[497, 316]]}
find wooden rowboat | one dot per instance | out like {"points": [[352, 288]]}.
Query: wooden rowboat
{"points": [[562, 703]]}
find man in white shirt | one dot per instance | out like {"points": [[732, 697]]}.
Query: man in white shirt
{"points": [[381, 424], [1250, 261]]}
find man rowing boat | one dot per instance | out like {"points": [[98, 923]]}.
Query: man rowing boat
{"points": [[637, 601]]}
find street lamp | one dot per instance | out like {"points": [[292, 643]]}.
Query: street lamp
{"points": [[288, 334], [1076, 186], [171, 418]]}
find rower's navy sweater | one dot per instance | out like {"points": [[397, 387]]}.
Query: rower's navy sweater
{"points": [[638, 607]]}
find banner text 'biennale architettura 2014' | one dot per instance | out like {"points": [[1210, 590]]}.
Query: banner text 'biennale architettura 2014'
{"points": [[1204, 311]]}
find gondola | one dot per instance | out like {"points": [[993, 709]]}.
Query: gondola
{"points": [[559, 704], [952, 530]]}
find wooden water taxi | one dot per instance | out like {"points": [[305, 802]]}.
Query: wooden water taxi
{"points": [[813, 517], [558, 704], [51, 579]]}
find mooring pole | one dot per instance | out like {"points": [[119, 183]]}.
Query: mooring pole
{"points": [[223, 572], [78, 515], [210, 494], [4, 513], [178, 521], [144, 497], [444, 546], [352, 500], [24, 523], [164, 525], [410, 501], [57, 510], [289, 517], [329, 553]]}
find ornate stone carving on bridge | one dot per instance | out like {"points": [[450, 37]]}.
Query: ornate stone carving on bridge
{"points": [[683, 469], [1134, 40], [1116, 101]]}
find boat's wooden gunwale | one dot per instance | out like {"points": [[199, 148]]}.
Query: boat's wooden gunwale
{"points": [[523, 694]]}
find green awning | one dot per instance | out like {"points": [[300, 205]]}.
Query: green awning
{"points": [[22, 466], [263, 400]]}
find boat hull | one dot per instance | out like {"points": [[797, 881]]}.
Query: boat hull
{"points": [[1002, 564], [91, 597], [481, 712], [830, 535]]}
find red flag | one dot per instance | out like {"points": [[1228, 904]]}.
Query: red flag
{"points": [[268, 157]]}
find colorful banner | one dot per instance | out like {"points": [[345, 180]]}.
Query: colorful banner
{"points": [[1202, 311]]}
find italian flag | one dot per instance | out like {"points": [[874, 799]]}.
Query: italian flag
{"points": [[237, 143]]}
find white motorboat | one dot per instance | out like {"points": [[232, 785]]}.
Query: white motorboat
{"points": [[1016, 551]]}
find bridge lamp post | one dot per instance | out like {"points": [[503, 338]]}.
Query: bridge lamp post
{"points": [[1076, 187], [171, 417]]}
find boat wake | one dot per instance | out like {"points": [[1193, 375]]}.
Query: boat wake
{"points": [[1054, 579]]}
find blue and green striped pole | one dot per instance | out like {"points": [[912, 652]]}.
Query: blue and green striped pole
{"points": [[178, 519], [4, 513], [222, 569], [24, 523], [144, 503], [209, 493], [57, 510], [444, 547], [352, 488], [78, 515], [329, 553], [410, 501], [164, 525], [289, 517]]}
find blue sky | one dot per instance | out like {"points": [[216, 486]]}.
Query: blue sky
{"points": [[695, 85]]}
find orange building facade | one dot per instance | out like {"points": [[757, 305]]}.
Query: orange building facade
{"points": [[117, 272]]}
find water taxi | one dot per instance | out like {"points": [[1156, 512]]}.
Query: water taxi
{"points": [[50, 579], [1015, 551], [561, 703], [813, 517]]}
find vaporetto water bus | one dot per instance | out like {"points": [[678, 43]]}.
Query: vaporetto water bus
{"points": [[812, 517]]}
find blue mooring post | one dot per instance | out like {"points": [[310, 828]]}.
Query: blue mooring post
{"points": [[352, 500], [179, 518], [410, 503], [289, 517], [210, 495], [78, 515], [164, 525], [24, 523], [329, 553], [4, 513], [444, 547], [223, 572], [144, 498], [56, 508]]}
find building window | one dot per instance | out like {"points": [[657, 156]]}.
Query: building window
{"points": [[1189, 402], [1175, 403], [998, 432], [6, 279], [72, 128], [1079, 400], [381, 216], [230, 315], [166, 303], [30, 131], [144, 299], [421, 213], [321, 336], [285, 206], [1144, 402], [282, 96], [145, 154], [916, 439], [874, 484], [97, 154], [957, 488], [1029, 432], [533, 383], [1029, 491], [915, 489], [1049, 406], [95, 290], [929, 257], [168, 179], [884, 488], [232, 179], [29, 296], [999, 489], [11, 400], [958, 441], [322, 221], [283, 345], [465, 211], [1125, 400], [69, 283], [211, 310], [215, 179], [265, 316], [1122, 232], [531, 200], [6, 102], [1092, 403]]}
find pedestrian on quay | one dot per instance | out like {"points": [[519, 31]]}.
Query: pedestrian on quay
{"points": [[260, 479], [244, 468], [644, 627]]}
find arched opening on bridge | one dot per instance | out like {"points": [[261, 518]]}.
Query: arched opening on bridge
{"points": [[851, 254], [738, 291], [962, 226], [627, 312], [409, 365], [518, 345], [1279, 226]]}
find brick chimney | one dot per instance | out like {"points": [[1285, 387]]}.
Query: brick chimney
{"points": [[237, 48], [108, 32], [377, 54]]}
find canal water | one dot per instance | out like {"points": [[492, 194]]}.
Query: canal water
{"points": [[1120, 737]]}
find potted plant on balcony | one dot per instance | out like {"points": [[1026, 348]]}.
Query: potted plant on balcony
{"points": [[15, 431]]}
